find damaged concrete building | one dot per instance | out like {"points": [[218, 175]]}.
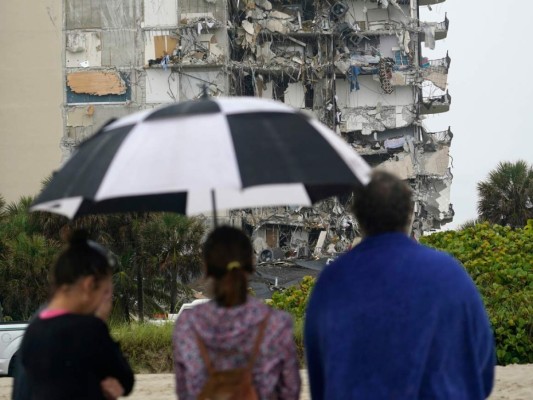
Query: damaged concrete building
{"points": [[357, 65]]}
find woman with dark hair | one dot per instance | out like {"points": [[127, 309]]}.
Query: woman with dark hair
{"points": [[234, 331], [67, 352]]}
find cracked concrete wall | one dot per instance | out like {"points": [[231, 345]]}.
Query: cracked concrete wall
{"points": [[82, 121], [160, 13], [401, 166], [371, 119], [83, 49], [98, 91], [202, 8], [162, 86]]}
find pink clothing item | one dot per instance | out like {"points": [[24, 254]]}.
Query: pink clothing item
{"points": [[229, 334], [47, 313]]}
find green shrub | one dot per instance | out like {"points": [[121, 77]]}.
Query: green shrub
{"points": [[500, 261], [148, 347], [294, 299], [299, 340]]}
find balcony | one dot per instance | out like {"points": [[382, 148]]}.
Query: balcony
{"points": [[436, 71], [429, 2], [440, 65], [441, 137], [441, 29], [435, 104]]}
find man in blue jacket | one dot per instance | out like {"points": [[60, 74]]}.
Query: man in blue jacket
{"points": [[393, 319]]}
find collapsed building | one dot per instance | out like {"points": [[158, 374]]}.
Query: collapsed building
{"points": [[357, 65]]}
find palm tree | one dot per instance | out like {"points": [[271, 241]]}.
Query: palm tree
{"points": [[470, 223], [173, 243], [506, 197], [25, 258]]}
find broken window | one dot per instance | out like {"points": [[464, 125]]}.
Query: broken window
{"points": [[309, 95], [278, 89], [98, 87], [400, 57]]}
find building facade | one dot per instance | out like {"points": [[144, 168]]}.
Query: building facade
{"points": [[31, 123], [358, 65]]}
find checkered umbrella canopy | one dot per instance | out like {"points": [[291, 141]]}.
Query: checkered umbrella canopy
{"points": [[199, 156]]}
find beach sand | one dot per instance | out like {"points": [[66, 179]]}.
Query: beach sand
{"points": [[514, 382]]}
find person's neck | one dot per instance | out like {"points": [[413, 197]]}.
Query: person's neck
{"points": [[66, 302]]}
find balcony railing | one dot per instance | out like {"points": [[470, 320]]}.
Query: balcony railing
{"points": [[442, 137], [441, 29], [436, 104], [439, 65], [429, 2]]}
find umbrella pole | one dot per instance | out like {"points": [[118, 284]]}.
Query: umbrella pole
{"points": [[214, 203]]}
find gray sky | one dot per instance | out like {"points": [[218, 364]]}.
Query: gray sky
{"points": [[491, 114]]}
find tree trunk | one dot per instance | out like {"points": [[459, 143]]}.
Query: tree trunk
{"points": [[126, 307], [140, 291], [173, 288]]}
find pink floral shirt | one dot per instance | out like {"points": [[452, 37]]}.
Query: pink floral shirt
{"points": [[229, 334]]}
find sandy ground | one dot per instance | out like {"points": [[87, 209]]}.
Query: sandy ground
{"points": [[514, 382]]}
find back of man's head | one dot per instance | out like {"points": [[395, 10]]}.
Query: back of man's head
{"points": [[384, 205]]}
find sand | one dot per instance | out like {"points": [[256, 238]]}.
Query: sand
{"points": [[514, 382]]}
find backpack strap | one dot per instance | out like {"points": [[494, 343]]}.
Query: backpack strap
{"points": [[204, 354], [258, 340]]}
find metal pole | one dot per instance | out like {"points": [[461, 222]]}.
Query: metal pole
{"points": [[214, 203]]}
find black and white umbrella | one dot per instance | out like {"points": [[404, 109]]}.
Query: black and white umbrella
{"points": [[184, 157]]}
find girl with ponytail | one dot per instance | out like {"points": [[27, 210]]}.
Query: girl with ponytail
{"points": [[233, 328]]}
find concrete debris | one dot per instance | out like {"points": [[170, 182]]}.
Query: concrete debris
{"points": [[356, 65], [279, 15], [293, 231], [264, 4], [277, 26], [248, 27]]}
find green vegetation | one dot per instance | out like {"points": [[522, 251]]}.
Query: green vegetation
{"points": [[294, 300], [506, 197], [500, 261], [147, 347], [158, 254]]}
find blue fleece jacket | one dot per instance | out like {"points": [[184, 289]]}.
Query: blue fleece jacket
{"points": [[395, 320]]}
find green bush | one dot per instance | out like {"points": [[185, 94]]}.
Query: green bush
{"points": [[148, 347], [500, 261], [294, 299]]}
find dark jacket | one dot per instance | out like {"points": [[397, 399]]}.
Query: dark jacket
{"points": [[66, 357]]}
